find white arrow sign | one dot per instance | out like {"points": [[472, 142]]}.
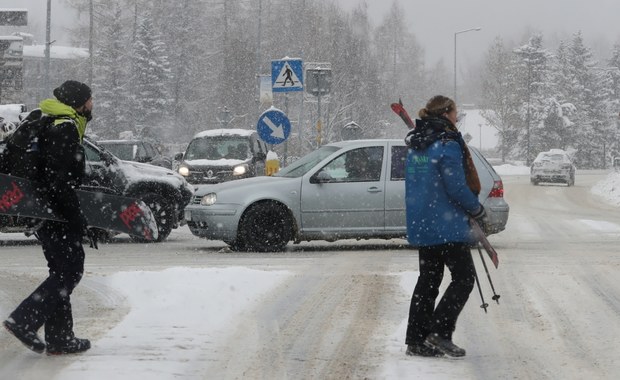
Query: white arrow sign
{"points": [[276, 130]]}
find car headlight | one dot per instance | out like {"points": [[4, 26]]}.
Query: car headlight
{"points": [[184, 171], [208, 199], [240, 169]]}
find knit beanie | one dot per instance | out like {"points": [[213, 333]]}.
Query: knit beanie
{"points": [[73, 93]]}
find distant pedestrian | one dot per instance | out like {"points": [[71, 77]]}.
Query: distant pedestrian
{"points": [[60, 169], [441, 194]]}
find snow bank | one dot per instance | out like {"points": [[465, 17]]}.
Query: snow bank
{"points": [[609, 188]]}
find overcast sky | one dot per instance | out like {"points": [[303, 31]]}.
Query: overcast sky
{"points": [[435, 22]]}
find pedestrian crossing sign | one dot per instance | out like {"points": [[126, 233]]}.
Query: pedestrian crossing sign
{"points": [[287, 75]]}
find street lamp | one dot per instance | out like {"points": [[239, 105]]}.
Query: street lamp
{"points": [[455, 34]]}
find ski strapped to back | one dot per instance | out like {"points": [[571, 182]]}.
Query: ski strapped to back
{"points": [[400, 111]]}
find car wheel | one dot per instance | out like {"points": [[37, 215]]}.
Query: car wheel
{"points": [[534, 182], [164, 216], [265, 227]]}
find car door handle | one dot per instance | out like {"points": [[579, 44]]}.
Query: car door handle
{"points": [[374, 189]]}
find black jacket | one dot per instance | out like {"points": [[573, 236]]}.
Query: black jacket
{"points": [[51, 154]]}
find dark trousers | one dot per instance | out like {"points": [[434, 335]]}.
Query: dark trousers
{"points": [[50, 303], [424, 317]]}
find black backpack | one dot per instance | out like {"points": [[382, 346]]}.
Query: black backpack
{"points": [[22, 155]]}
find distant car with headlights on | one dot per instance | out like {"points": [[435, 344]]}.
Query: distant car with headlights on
{"points": [[554, 165], [221, 155], [324, 196]]}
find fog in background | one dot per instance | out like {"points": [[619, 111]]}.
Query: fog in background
{"points": [[434, 23]]}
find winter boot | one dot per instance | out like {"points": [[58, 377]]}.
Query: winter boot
{"points": [[71, 346], [29, 338], [444, 345], [419, 349]]}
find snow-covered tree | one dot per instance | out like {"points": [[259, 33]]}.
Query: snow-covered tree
{"points": [[532, 88], [151, 79], [500, 106], [111, 74]]}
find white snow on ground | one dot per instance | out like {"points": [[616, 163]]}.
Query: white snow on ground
{"points": [[609, 188], [174, 314]]}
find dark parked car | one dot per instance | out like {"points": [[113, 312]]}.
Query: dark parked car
{"points": [[221, 155], [164, 191], [137, 150]]}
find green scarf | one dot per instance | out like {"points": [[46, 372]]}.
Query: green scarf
{"points": [[62, 113]]}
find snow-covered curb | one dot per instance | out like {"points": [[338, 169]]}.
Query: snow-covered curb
{"points": [[609, 189]]}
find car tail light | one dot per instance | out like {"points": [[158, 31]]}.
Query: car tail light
{"points": [[498, 190]]}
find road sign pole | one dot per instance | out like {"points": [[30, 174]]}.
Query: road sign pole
{"points": [[319, 125], [285, 153]]}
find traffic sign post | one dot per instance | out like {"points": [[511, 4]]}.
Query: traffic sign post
{"points": [[287, 75], [319, 79], [273, 126]]}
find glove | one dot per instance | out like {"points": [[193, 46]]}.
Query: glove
{"points": [[481, 218]]}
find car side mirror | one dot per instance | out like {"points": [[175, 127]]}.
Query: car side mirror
{"points": [[321, 177], [178, 156], [108, 158]]}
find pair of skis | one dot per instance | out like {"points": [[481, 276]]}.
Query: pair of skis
{"points": [[478, 233]]}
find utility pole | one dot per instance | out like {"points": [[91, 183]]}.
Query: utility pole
{"points": [[48, 45], [90, 45]]}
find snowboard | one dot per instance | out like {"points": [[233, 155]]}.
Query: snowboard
{"points": [[18, 197], [482, 238]]}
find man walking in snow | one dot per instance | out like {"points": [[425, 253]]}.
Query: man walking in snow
{"points": [[57, 164]]}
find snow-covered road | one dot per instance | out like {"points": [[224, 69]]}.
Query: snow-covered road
{"points": [[186, 309]]}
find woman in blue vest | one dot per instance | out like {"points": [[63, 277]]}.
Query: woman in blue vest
{"points": [[442, 189]]}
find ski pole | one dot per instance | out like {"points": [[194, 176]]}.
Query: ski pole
{"points": [[484, 304], [495, 295]]}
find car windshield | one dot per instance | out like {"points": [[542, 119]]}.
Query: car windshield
{"points": [[218, 147], [307, 162], [122, 151]]}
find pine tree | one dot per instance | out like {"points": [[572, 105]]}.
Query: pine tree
{"points": [[151, 78], [111, 75], [588, 90], [500, 108], [532, 90]]}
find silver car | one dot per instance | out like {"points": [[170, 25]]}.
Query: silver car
{"points": [[553, 166], [324, 196]]}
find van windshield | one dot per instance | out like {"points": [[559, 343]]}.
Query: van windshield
{"points": [[218, 147]]}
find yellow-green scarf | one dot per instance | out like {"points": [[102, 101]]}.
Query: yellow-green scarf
{"points": [[62, 112]]}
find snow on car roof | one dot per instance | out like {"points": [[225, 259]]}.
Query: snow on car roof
{"points": [[225, 132]]}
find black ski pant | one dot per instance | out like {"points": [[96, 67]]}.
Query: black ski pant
{"points": [[50, 303], [424, 317]]}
